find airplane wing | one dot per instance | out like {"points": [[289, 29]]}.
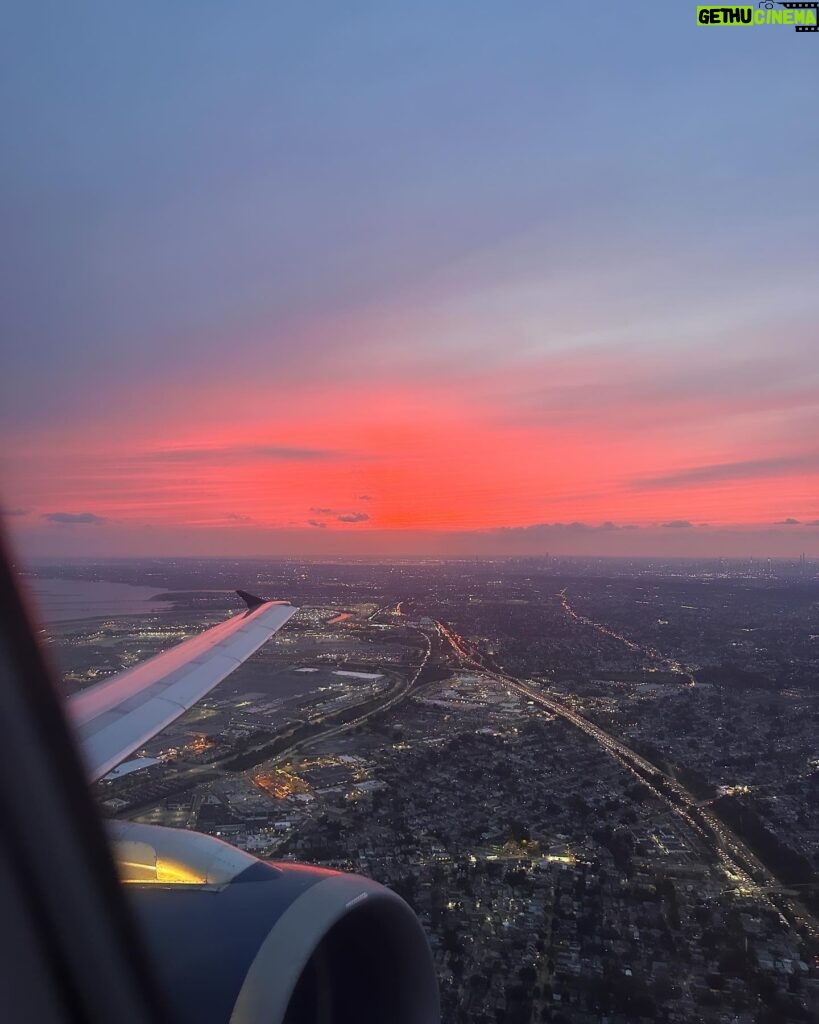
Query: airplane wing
{"points": [[117, 716]]}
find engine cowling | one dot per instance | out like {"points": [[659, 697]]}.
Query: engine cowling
{"points": [[237, 940]]}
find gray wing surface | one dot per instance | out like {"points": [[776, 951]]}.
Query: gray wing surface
{"points": [[118, 716]]}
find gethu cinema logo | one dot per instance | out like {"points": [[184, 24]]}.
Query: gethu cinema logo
{"points": [[800, 15]]}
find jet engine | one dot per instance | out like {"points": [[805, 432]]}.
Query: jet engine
{"points": [[237, 940]]}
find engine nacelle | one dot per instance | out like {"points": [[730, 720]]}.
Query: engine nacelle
{"points": [[237, 940]]}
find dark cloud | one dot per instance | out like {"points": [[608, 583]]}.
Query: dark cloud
{"points": [[353, 517], [545, 529], [365, 497], [231, 453], [718, 472], [74, 517], [787, 522], [323, 511], [14, 511], [236, 517], [677, 524], [318, 525]]}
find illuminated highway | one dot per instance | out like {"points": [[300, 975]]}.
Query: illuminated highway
{"points": [[671, 664], [750, 875]]}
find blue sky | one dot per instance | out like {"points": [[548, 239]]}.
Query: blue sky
{"points": [[286, 197]]}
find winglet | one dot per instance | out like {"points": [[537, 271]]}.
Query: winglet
{"points": [[251, 601]]}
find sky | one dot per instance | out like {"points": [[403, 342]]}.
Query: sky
{"points": [[427, 279]]}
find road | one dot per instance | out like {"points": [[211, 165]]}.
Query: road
{"points": [[393, 699], [194, 773], [670, 664], [735, 857]]}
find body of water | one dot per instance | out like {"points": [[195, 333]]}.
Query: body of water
{"points": [[60, 600]]}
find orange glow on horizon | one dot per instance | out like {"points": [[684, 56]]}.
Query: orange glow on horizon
{"points": [[455, 455]]}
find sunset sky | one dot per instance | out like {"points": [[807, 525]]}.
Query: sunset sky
{"points": [[433, 278]]}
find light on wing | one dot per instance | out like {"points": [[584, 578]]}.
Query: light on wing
{"points": [[116, 717]]}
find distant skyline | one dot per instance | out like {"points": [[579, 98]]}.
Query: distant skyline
{"points": [[423, 281]]}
